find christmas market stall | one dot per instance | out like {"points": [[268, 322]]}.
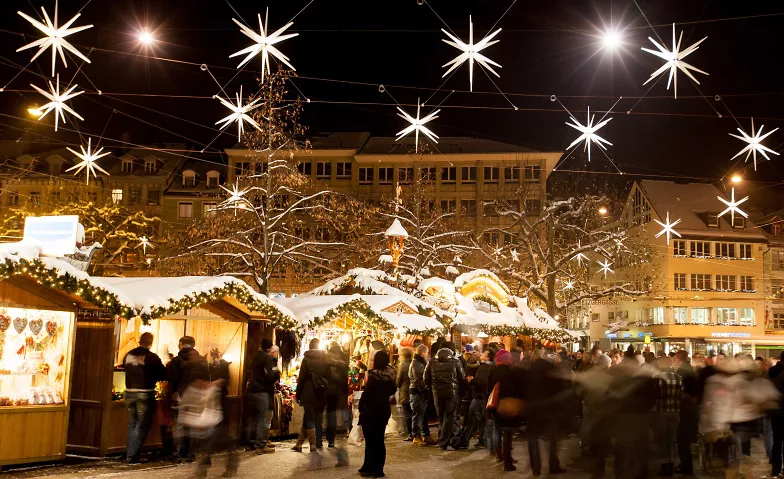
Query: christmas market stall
{"points": [[221, 313]]}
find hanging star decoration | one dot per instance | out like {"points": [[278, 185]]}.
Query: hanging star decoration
{"points": [[754, 144], [579, 256], [497, 252], [515, 255], [569, 285], [605, 267], [145, 243], [732, 206], [88, 158], [588, 133], [265, 44], [236, 198], [239, 114], [674, 60], [57, 101], [417, 125], [55, 37], [471, 52], [668, 228]]}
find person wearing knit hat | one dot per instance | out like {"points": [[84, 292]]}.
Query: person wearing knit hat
{"points": [[468, 348], [503, 357]]}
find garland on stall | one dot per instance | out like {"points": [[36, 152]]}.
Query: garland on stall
{"points": [[487, 299], [365, 318], [551, 335]]}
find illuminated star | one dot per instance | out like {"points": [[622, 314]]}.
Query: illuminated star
{"points": [[605, 267], [588, 133], [732, 206], [239, 114], [497, 252], [579, 256], [754, 144], [57, 102], [515, 255], [569, 285], [88, 158], [417, 125], [668, 228], [674, 60], [264, 44], [55, 37], [471, 53], [236, 197], [145, 243]]}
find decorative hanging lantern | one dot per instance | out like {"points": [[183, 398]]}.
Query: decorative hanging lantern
{"points": [[396, 235]]}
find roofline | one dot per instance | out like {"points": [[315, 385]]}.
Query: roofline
{"points": [[298, 153]]}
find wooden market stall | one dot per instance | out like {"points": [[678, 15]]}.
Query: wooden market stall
{"points": [[216, 311]]}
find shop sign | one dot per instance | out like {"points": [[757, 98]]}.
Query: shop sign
{"points": [[627, 335], [730, 335], [55, 234], [612, 335], [647, 339], [642, 335]]}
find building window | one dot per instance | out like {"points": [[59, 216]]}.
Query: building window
{"points": [[700, 249], [491, 238], [322, 234], [13, 198], [149, 165], [679, 315], [92, 196], [405, 176], [700, 315], [777, 261], [700, 282], [117, 195], [127, 166], [242, 168], [280, 201], [747, 284], [747, 317], [448, 206], [366, 176], [775, 230], [184, 209], [209, 207], [656, 315], [679, 248], [213, 178], [55, 197], [343, 169], [725, 282], [713, 220], [153, 197], [449, 175], [305, 168], [189, 178], [679, 283], [533, 206], [778, 320], [745, 251], [302, 233], [323, 170], [725, 250], [727, 316], [428, 206], [468, 174], [135, 196], [533, 173], [386, 176], [468, 208], [511, 174], [491, 174], [489, 209], [739, 222], [427, 175]]}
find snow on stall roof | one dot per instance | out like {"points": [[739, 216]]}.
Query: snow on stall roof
{"points": [[437, 283], [469, 315], [412, 322], [452, 270], [464, 278], [396, 230]]}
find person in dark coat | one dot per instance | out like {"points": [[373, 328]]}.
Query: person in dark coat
{"points": [[337, 390], [776, 374], [419, 395], [374, 413], [547, 396], [688, 423], [221, 439], [443, 375], [479, 391], [264, 375], [403, 396], [510, 380], [312, 386], [188, 366]]}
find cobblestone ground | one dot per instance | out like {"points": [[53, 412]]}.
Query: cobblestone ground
{"points": [[403, 461]]}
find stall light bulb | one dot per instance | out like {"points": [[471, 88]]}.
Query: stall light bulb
{"points": [[228, 358], [345, 338]]}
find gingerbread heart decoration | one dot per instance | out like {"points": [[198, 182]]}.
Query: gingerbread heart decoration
{"points": [[5, 322], [51, 327], [20, 324], [36, 325]]}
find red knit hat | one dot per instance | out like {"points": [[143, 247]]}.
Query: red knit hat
{"points": [[503, 357]]}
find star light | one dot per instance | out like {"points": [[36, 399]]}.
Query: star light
{"points": [[57, 101], [605, 267], [588, 133], [754, 144], [515, 255], [236, 195], [88, 158], [668, 228], [417, 125], [145, 243], [732, 206], [55, 37], [674, 60], [239, 114], [569, 285], [471, 52], [264, 44], [579, 256]]}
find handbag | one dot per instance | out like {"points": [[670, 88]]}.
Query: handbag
{"points": [[492, 400], [319, 382], [510, 407]]}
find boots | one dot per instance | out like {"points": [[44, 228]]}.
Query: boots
{"points": [[499, 455], [311, 435], [429, 441], [300, 441], [418, 441]]}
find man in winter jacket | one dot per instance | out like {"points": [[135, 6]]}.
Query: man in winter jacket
{"points": [[188, 366], [403, 387], [312, 386], [337, 390], [264, 375], [476, 419], [418, 397], [443, 375], [143, 369]]}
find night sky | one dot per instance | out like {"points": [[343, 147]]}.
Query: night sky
{"points": [[546, 47]]}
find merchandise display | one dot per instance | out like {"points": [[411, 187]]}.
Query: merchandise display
{"points": [[33, 348]]}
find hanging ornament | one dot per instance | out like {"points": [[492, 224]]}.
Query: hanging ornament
{"points": [[754, 143], [417, 125], [57, 102], [732, 206], [515, 255], [36, 325], [55, 37], [588, 133], [605, 267], [674, 60], [145, 243], [239, 114], [668, 228], [568, 285], [580, 257], [88, 158], [264, 44], [236, 198], [471, 52]]}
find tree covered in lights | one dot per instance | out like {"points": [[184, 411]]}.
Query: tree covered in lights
{"points": [[274, 222]]}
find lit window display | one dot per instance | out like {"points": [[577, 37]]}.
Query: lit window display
{"points": [[33, 356]]}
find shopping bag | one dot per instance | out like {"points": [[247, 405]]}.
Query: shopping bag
{"points": [[492, 400], [199, 408], [355, 437]]}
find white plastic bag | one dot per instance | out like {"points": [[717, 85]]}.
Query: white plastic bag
{"points": [[199, 409], [356, 438]]}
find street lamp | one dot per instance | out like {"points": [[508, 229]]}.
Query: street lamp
{"points": [[396, 236], [603, 211], [736, 179]]}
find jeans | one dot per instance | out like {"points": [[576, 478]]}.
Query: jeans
{"points": [[446, 402], [405, 409], [262, 402], [666, 429], [419, 410], [534, 453], [331, 408], [767, 436], [141, 411], [347, 418], [375, 450], [475, 420], [495, 432]]}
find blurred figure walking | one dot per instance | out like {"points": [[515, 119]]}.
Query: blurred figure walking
{"points": [[374, 413]]}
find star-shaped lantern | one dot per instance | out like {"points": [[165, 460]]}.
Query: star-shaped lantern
{"points": [[88, 158], [667, 228]]}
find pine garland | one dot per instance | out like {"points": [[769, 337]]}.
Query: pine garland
{"points": [[364, 317], [552, 335]]}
